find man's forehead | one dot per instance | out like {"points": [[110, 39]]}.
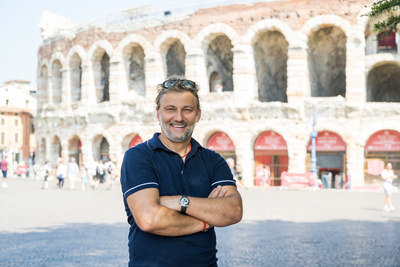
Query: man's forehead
{"points": [[181, 98]]}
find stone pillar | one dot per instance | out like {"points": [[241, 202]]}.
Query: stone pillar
{"points": [[50, 89], [155, 74], [64, 150], [297, 153], [244, 73], [355, 163], [196, 69], [88, 86], [298, 80], [66, 88], [118, 81], [355, 65], [245, 155]]}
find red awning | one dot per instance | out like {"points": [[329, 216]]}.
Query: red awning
{"points": [[328, 141], [220, 142], [135, 141], [270, 141], [384, 141]]}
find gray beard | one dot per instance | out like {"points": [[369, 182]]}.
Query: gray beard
{"points": [[176, 139]]}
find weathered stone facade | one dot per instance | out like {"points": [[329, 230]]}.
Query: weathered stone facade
{"points": [[277, 62]]}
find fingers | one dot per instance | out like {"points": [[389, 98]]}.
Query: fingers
{"points": [[217, 192]]}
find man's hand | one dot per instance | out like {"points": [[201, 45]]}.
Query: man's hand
{"points": [[217, 192]]}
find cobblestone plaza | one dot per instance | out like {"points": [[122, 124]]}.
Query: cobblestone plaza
{"points": [[279, 228]]}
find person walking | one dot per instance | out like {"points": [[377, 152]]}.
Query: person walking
{"points": [[174, 189], [73, 172], [4, 169], [388, 176], [61, 172], [84, 176], [46, 173]]}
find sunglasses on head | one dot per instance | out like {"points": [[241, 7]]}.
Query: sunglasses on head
{"points": [[186, 83]]}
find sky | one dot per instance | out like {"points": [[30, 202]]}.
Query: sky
{"points": [[20, 35]]}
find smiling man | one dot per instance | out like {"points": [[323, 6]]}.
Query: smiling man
{"points": [[175, 191]]}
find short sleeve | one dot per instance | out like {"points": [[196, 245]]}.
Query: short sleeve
{"points": [[222, 175], [137, 171]]}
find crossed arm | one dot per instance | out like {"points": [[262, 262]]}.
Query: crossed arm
{"points": [[161, 216]]}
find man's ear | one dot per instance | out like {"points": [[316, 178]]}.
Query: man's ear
{"points": [[198, 115]]}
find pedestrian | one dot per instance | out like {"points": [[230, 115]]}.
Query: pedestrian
{"points": [[61, 172], [36, 169], [100, 173], [4, 169], [46, 173], [174, 189], [84, 176], [388, 176], [109, 167], [73, 172]]}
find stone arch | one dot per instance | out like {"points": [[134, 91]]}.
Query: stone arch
{"points": [[383, 82], [134, 63], [58, 56], [132, 39], [127, 139], [75, 148], [208, 33], [268, 25], [219, 60], [318, 22], [173, 45], [327, 61], [100, 54], [270, 57], [76, 49], [101, 148], [55, 149], [56, 81]]}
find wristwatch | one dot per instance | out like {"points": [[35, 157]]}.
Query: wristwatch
{"points": [[184, 201]]}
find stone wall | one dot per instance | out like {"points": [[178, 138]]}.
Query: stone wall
{"points": [[277, 61]]}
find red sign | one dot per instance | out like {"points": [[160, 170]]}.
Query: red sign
{"points": [[297, 179], [328, 141], [135, 141], [220, 142], [385, 140], [270, 141], [375, 166]]}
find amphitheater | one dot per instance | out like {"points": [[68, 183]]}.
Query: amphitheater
{"points": [[285, 68]]}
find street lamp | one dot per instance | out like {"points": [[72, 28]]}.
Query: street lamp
{"points": [[314, 135]]}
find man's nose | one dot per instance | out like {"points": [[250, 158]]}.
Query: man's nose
{"points": [[178, 116]]}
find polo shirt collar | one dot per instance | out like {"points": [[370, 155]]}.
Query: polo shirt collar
{"points": [[155, 143]]}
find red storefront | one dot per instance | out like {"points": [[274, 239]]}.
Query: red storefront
{"points": [[222, 144], [270, 153], [331, 158], [382, 147], [135, 141]]}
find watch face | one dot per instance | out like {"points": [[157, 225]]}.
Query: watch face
{"points": [[184, 201]]}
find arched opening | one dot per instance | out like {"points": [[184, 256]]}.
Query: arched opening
{"points": [[331, 159], [135, 141], [56, 79], [104, 150], [215, 82], [76, 77], [55, 150], [221, 143], [327, 62], [175, 59], [135, 68], [382, 147], [75, 149], [271, 158], [383, 83], [220, 60], [42, 88], [271, 56], [101, 72]]}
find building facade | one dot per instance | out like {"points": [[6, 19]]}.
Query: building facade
{"points": [[265, 69], [17, 110]]}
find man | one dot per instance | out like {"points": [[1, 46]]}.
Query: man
{"points": [[175, 191], [73, 172], [4, 168], [388, 176]]}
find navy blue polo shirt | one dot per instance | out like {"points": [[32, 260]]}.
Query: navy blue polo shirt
{"points": [[152, 165]]}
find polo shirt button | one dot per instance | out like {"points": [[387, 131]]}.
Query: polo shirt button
{"points": [[181, 171]]}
